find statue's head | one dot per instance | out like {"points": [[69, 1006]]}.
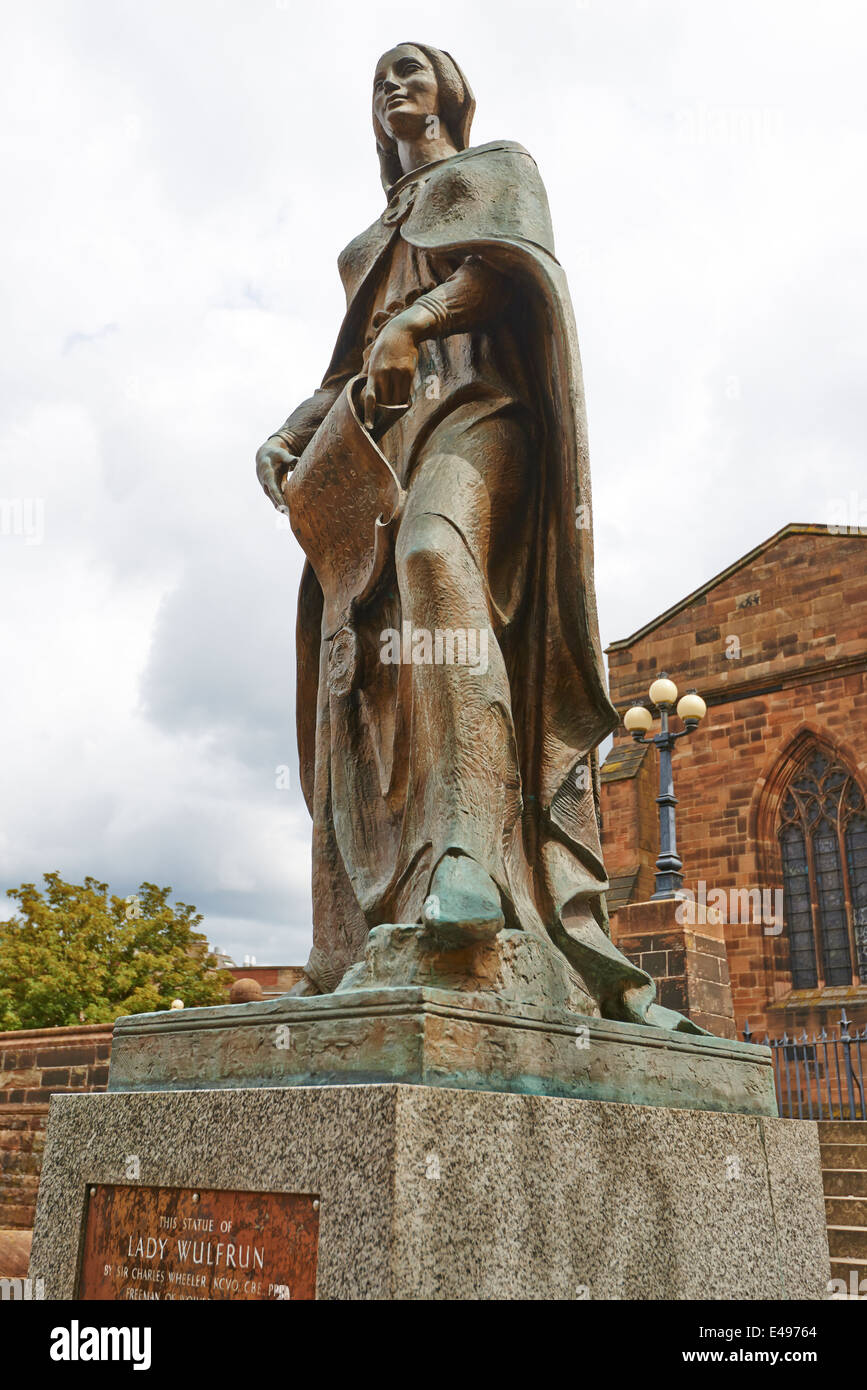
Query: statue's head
{"points": [[414, 86]]}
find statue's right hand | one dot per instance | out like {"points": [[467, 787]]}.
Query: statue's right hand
{"points": [[273, 462]]}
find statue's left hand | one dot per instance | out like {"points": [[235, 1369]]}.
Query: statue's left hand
{"points": [[273, 462], [390, 370]]}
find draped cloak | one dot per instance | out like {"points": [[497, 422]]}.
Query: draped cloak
{"points": [[489, 202]]}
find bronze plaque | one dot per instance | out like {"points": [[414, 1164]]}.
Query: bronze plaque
{"points": [[182, 1243]]}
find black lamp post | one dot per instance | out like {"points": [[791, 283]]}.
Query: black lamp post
{"points": [[638, 720]]}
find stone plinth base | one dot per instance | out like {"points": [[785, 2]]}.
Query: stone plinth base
{"points": [[427, 1193], [689, 963], [506, 1015], [437, 1037]]}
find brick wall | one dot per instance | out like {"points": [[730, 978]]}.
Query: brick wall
{"points": [[795, 617], [274, 979], [630, 821], [34, 1065], [22, 1137]]}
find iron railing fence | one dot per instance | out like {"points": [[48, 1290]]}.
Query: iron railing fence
{"points": [[820, 1077]]}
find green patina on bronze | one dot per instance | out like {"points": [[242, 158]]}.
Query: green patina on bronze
{"points": [[505, 1015], [438, 481]]}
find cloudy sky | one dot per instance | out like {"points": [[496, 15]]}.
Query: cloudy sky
{"points": [[178, 179]]}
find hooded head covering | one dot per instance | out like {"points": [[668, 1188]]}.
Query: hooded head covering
{"points": [[456, 107]]}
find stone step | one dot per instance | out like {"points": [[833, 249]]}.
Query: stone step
{"points": [[846, 1211], [843, 1131], [844, 1182], [848, 1242], [844, 1155], [856, 1146]]}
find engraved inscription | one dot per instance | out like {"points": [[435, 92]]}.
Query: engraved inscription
{"points": [[167, 1243]]}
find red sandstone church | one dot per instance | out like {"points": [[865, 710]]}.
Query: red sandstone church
{"points": [[771, 788]]}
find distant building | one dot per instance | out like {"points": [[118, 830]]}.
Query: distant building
{"points": [[274, 979], [772, 785]]}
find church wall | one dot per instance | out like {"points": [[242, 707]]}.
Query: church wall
{"points": [[779, 651]]}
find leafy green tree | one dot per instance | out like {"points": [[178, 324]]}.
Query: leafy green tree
{"points": [[78, 954]]}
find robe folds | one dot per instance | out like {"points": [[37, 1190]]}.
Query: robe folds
{"points": [[402, 762]]}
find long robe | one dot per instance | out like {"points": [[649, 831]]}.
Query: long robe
{"points": [[411, 760]]}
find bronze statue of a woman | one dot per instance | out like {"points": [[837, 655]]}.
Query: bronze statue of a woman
{"points": [[438, 480]]}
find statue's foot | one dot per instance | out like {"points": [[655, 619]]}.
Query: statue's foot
{"points": [[463, 906]]}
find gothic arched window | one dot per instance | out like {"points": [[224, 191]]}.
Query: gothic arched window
{"points": [[823, 842]]}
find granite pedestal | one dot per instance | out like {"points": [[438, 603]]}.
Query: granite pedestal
{"points": [[429, 1193]]}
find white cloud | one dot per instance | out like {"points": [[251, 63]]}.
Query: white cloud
{"points": [[181, 178]]}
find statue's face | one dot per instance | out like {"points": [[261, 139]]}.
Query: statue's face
{"points": [[404, 92]]}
